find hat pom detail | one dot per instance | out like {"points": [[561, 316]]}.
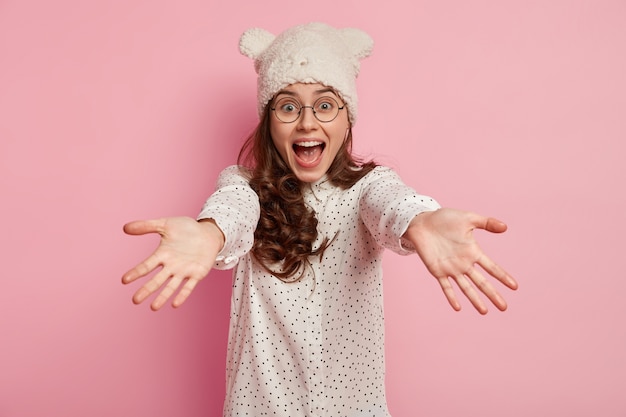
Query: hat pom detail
{"points": [[359, 42], [254, 41]]}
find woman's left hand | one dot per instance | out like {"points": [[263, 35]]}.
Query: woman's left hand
{"points": [[444, 241]]}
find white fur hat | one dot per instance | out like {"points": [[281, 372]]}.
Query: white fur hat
{"points": [[310, 53]]}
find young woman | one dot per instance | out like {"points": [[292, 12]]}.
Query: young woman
{"points": [[305, 224]]}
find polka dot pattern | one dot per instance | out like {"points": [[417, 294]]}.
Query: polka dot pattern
{"points": [[315, 347]]}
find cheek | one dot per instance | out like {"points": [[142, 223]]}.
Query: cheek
{"points": [[343, 127], [279, 134], [338, 143], [278, 145], [342, 131]]}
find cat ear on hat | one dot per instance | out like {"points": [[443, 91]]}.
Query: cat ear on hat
{"points": [[254, 41], [360, 42]]}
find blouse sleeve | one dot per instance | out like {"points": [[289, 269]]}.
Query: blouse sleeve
{"points": [[235, 208], [387, 206]]}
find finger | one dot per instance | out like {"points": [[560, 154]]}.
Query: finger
{"points": [[497, 272], [142, 227], [151, 286], [142, 269], [185, 292], [486, 288], [470, 292], [166, 293], [448, 291]]}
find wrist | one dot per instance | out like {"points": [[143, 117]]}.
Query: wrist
{"points": [[418, 222], [214, 232]]}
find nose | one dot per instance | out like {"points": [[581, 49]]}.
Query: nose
{"points": [[307, 119]]}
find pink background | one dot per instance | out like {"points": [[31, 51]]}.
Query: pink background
{"points": [[112, 111]]}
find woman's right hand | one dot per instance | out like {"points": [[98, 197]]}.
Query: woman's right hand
{"points": [[186, 254]]}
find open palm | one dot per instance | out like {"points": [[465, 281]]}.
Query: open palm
{"points": [[186, 254], [445, 242]]}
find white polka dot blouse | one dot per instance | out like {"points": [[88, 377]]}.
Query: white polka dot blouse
{"points": [[314, 347]]}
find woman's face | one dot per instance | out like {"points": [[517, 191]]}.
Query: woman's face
{"points": [[307, 145]]}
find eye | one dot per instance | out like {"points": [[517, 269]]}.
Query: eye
{"points": [[288, 108], [287, 105], [325, 105]]}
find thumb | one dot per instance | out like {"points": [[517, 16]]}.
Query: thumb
{"points": [[142, 227], [490, 224], [494, 225]]}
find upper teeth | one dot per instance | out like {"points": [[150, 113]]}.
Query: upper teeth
{"points": [[309, 143]]}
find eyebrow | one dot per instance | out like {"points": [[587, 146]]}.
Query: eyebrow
{"points": [[318, 91]]}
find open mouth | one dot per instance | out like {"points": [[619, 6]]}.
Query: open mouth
{"points": [[309, 151]]}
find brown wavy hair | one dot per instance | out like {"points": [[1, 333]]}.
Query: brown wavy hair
{"points": [[287, 228]]}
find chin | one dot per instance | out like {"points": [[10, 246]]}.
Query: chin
{"points": [[309, 177]]}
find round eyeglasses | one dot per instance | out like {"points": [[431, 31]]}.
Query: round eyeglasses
{"points": [[288, 109]]}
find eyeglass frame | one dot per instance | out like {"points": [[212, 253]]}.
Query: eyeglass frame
{"points": [[339, 108]]}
